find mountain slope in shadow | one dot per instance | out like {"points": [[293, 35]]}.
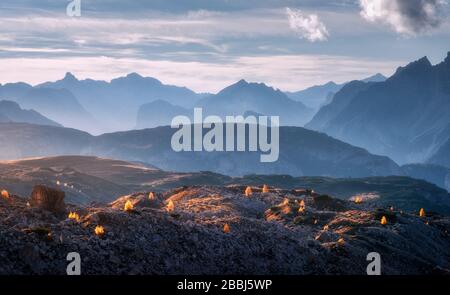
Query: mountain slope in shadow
{"points": [[405, 117], [302, 152], [12, 112]]}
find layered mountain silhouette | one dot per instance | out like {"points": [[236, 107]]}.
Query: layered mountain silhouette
{"points": [[11, 112], [159, 113], [241, 98], [405, 117], [135, 101], [317, 96], [256, 97], [302, 152], [116, 103], [432, 173], [59, 105]]}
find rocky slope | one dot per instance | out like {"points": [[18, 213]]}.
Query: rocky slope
{"points": [[87, 180], [219, 230], [405, 117]]}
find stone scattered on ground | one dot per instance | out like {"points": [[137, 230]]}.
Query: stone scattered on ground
{"points": [[218, 230]]}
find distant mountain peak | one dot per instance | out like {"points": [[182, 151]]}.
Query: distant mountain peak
{"points": [[255, 86], [447, 59], [423, 62], [375, 78], [242, 82], [70, 77], [134, 75], [420, 65]]}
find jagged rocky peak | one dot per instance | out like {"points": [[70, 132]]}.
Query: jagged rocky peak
{"points": [[70, 77], [421, 65], [244, 84], [447, 59]]}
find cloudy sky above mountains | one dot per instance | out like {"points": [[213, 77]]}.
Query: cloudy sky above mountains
{"points": [[208, 44]]}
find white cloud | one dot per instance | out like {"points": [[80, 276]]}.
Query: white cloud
{"points": [[307, 26], [408, 17]]}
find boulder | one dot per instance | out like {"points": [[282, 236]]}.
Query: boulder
{"points": [[48, 199]]}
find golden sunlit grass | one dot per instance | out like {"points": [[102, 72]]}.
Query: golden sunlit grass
{"points": [[99, 230], [422, 212], [383, 220], [248, 191], [226, 228], [358, 200], [5, 194], [74, 216], [265, 188], [302, 207], [170, 206], [128, 207], [151, 196], [286, 209]]}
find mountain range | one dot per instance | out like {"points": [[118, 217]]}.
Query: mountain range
{"points": [[317, 96], [237, 99], [302, 152], [116, 103], [134, 101], [257, 97], [405, 117]]}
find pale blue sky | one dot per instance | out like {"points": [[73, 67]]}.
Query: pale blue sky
{"points": [[208, 44]]}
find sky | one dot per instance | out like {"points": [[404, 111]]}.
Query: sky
{"points": [[207, 45]]}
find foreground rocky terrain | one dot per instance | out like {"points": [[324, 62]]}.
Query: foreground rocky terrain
{"points": [[218, 230]]}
